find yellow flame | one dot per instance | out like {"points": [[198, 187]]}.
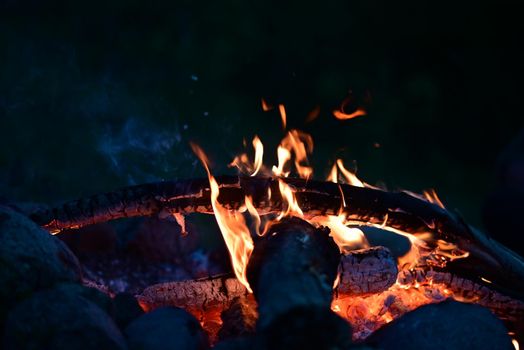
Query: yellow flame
{"points": [[284, 156], [259, 154], [351, 178], [347, 238], [290, 205], [515, 344], [254, 214], [243, 163], [333, 174], [300, 144], [232, 226]]}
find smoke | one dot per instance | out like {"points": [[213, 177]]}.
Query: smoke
{"points": [[139, 152]]}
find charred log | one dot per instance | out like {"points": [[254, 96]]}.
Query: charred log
{"points": [[368, 206], [362, 271], [196, 295], [239, 319], [291, 272]]}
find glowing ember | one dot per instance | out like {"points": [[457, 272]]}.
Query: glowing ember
{"points": [[368, 313]]}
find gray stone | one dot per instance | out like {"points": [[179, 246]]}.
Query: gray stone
{"points": [[448, 325], [60, 318], [30, 259], [166, 328]]}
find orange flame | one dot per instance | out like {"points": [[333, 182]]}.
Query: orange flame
{"points": [[259, 153], [431, 196], [351, 178], [265, 106], [232, 226], [289, 201], [242, 161], [339, 114], [282, 111], [301, 144], [347, 238]]}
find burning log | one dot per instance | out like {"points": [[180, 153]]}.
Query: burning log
{"points": [[368, 206], [196, 296], [239, 319], [361, 272], [291, 272], [364, 271]]}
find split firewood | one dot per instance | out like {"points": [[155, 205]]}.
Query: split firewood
{"points": [[462, 289], [292, 271], [371, 270], [368, 206], [362, 271]]}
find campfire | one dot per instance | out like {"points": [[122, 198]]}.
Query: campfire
{"points": [[299, 251]]}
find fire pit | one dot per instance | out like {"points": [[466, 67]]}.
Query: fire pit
{"points": [[304, 275]]}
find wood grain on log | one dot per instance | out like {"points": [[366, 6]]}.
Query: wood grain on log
{"points": [[364, 271], [371, 270], [367, 205], [199, 295]]}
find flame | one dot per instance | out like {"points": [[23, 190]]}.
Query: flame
{"points": [[300, 144], [232, 226], [515, 344], [339, 114], [282, 111], [431, 196], [366, 313], [265, 106], [254, 214], [283, 155], [290, 205], [351, 178], [333, 174], [259, 153], [347, 238], [243, 163]]}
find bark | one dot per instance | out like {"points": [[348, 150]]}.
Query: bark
{"points": [[362, 271], [292, 271], [366, 205], [463, 289]]}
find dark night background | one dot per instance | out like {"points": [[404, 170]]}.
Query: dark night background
{"points": [[95, 96]]}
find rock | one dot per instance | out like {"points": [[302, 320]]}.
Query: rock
{"points": [[162, 240], [448, 325], [30, 259], [166, 328], [91, 240], [94, 295], [60, 318], [126, 309]]}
